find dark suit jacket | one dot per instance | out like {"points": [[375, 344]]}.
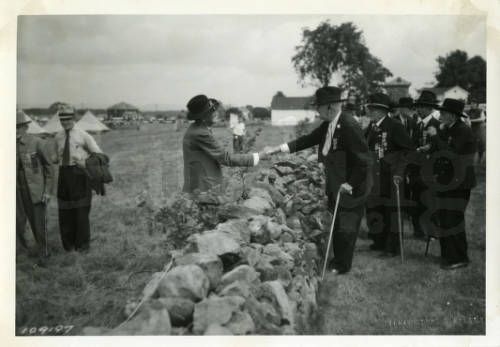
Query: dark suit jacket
{"points": [[410, 126], [454, 160], [203, 158], [347, 161], [390, 145]]}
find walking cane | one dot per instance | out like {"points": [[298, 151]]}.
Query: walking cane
{"points": [[46, 233], [331, 233], [400, 226]]}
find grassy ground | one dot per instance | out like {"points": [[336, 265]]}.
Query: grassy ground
{"points": [[92, 289], [379, 296]]}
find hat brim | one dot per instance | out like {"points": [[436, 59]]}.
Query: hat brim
{"points": [[211, 108], [23, 123], [421, 103], [382, 106], [335, 101], [458, 114]]}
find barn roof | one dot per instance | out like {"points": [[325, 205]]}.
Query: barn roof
{"points": [[396, 82], [282, 102], [123, 106], [441, 90]]}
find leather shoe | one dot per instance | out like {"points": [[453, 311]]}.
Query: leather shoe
{"points": [[454, 266]]}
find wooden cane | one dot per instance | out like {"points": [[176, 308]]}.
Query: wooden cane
{"points": [[331, 234], [401, 248]]}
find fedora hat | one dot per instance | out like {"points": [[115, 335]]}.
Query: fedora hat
{"points": [[201, 106], [453, 106], [66, 112], [379, 100], [405, 102], [327, 95], [427, 98], [22, 118]]}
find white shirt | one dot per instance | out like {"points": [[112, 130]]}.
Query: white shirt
{"points": [[331, 127], [81, 144], [239, 129], [380, 121]]}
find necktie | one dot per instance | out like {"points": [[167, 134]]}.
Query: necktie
{"points": [[65, 158]]}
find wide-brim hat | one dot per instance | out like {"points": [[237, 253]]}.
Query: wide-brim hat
{"points": [[327, 95], [66, 112], [22, 118], [200, 106], [350, 107], [404, 102], [379, 100], [427, 98], [453, 106]]}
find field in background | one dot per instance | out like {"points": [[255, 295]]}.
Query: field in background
{"points": [[379, 296]]}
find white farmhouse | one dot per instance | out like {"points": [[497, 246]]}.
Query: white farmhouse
{"points": [[291, 110], [455, 92]]}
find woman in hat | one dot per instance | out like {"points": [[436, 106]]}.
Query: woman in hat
{"points": [[203, 156], [454, 172]]}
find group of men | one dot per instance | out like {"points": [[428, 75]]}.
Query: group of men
{"points": [[426, 160], [35, 183]]}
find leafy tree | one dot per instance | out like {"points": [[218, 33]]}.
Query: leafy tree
{"points": [[457, 69], [331, 49]]}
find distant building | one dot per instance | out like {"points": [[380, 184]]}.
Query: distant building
{"points": [[291, 110], [123, 111], [455, 92], [397, 88]]}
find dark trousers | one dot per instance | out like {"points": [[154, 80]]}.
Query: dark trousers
{"points": [[35, 214], [237, 143], [451, 215], [382, 220], [345, 233], [74, 197]]}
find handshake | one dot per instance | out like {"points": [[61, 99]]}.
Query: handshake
{"points": [[268, 151]]}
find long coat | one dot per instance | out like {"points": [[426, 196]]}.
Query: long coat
{"points": [[454, 159], [33, 159], [389, 144], [348, 159], [204, 157]]}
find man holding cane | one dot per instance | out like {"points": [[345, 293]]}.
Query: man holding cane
{"points": [[344, 154]]}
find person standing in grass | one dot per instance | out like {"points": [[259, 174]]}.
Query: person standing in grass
{"points": [[34, 185], [390, 145], [74, 194], [203, 156], [238, 134], [344, 152], [454, 179]]}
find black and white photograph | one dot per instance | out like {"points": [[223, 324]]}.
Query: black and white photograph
{"points": [[250, 174]]}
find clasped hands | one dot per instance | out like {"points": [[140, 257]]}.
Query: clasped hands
{"points": [[268, 151]]}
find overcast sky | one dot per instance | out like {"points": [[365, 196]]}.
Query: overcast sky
{"points": [[96, 61]]}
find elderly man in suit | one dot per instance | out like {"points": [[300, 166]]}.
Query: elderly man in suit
{"points": [[344, 154], [424, 223], [389, 144], [34, 184], [203, 156], [454, 178]]}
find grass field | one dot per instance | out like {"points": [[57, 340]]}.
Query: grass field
{"points": [[377, 297]]}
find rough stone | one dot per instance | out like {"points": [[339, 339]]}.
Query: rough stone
{"points": [[217, 330], [293, 249], [241, 323], [152, 319], [251, 254], [236, 212], [275, 229], [281, 216], [258, 230], [293, 222], [258, 204], [261, 193], [276, 195], [242, 273], [283, 170], [215, 242], [186, 281], [264, 316], [179, 309], [215, 310], [237, 288], [237, 229], [275, 294], [209, 263]]}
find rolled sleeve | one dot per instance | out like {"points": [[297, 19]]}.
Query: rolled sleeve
{"points": [[284, 148], [255, 159]]}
